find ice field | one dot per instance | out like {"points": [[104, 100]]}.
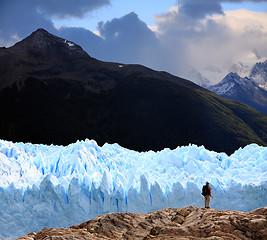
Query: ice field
{"points": [[59, 186]]}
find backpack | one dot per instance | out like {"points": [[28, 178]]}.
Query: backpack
{"points": [[205, 191]]}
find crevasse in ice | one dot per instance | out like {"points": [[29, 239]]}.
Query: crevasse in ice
{"points": [[58, 186]]}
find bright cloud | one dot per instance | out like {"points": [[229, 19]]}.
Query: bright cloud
{"points": [[243, 20], [242, 38], [219, 40]]}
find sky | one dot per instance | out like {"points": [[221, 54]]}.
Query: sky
{"points": [[183, 37]]}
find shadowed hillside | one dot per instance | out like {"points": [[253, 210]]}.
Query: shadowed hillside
{"points": [[51, 91]]}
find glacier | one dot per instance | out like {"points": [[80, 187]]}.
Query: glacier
{"points": [[52, 186]]}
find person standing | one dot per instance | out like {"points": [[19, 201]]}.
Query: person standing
{"points": [[206, 192]]}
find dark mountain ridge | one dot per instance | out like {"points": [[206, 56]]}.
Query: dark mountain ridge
{"points": [[51, 91], [43, 55]]}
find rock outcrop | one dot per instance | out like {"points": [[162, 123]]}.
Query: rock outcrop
{"points": [[170, 223]]}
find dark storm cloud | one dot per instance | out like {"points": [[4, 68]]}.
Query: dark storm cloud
{"points": [[66, 8], [201, 8], [18, 18]]}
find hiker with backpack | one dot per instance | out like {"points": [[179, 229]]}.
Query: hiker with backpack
{"points": [[206, 192]]}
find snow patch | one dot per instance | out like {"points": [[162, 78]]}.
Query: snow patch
{"points": [[224, 88], [70, 44]]}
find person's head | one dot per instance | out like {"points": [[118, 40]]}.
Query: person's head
{"points": [[207, 183]]}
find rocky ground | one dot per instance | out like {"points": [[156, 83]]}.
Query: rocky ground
{"points": [[170, 223]]}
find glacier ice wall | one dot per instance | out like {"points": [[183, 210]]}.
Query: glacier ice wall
{"points": [[55, 186]]}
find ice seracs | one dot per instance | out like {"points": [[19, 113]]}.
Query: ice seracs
{"points": [[59, 186]]}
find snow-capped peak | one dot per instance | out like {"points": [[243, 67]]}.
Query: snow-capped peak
{"points": [[235, 78], [230, 81], [245, 90]]}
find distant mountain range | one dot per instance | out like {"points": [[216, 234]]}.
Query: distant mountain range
{"points": [[247, 84], [51, 91], [245, 90]]}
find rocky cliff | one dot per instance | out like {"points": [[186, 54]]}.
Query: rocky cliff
{"points": [[170, 223]]}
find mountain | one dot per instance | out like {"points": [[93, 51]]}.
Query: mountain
{"points": [[241, 89], [51, 91], [259, 74], [43, 56], [170, 223]]}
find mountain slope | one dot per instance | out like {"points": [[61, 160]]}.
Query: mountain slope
{"points": [[242, 89], [54, 92]]}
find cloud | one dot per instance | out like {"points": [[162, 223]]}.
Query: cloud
{"points": [[248, 31], [218, 40], [200, 8], [18, 18], [91, 43], [194, 33], [128, 39], [68, 8]]}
